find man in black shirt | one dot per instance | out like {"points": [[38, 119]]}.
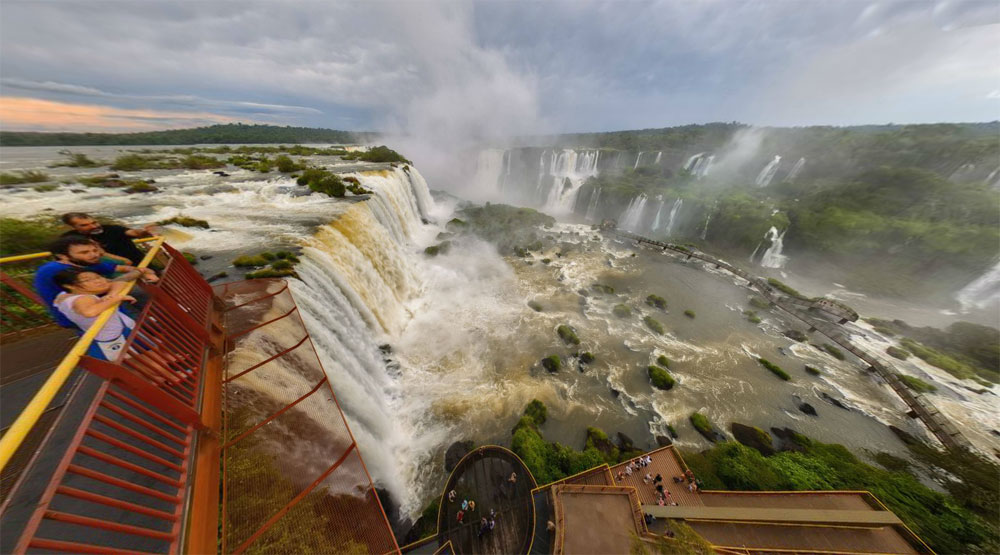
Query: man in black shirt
{"points": [[115, 239]]}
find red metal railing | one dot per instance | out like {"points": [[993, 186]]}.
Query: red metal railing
{"points": [[123, 481], [279, 404]]}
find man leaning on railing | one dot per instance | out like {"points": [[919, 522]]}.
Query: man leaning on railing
{"points": [[79, 252]]}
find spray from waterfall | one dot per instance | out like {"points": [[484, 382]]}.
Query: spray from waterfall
{"points": [[595, 196], [772, 256], [691, 161], [767, 174]]}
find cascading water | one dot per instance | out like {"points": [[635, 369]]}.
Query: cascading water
{"points": [[690, 164], [982, 292], [659, 212], [595, 196], [569, 169], [704, 230], [658, 156], [772, 256], [633, 214], [489, 170], [796, 169], [673, 215], [637, 158], [767, 174], [703, 166]]}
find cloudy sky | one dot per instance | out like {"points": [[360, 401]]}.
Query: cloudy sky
{"points": [[489, 69]]}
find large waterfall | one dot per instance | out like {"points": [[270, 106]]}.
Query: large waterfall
{"points": [[767, 174], [659, 212], [772, 256], [490, 175], [569, 170], [595, 197], [699, 164]]}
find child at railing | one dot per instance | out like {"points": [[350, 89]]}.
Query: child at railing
{"points": [[88, 294]]}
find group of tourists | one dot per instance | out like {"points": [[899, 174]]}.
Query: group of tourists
{"points": [[486, 523], [92, 267]]}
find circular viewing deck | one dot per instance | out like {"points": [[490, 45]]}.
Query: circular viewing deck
{"points": [[483, 476]]}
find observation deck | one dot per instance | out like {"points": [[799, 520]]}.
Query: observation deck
{"points": [[214, 429]]}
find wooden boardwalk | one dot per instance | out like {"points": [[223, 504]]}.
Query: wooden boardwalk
{"points": [[919, 406], [483, 476], [668, 465]]}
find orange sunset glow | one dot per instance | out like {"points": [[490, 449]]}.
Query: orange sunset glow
{"points": [[33, 114]]}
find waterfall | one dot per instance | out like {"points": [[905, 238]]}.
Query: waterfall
{"points": [[592, 205], [704, 230], [772, 256], [658, 156], [767, 174], [703, 165], [983, 291], [355, 278], [489, 169], [570, 169], [673, 215], [796, 169], [633, 214], [690, 164], [659, 211], [637, 158], [989, 178], [754, 253]]}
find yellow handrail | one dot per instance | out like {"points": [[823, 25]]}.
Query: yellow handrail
{"points": [[29, 416], [23, 257]]}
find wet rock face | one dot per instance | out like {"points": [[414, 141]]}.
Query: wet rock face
{"points": [[455, 453], [663, 441], [808, 409]]}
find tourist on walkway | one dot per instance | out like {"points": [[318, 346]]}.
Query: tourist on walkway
{"points": [[472, 505], [647, 478], [658, 478], [451, 496], [465, 504], [116, 239], [484, 525], [460, 515]]}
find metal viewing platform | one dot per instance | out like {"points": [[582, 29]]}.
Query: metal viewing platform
{"points": [[181, 443]]}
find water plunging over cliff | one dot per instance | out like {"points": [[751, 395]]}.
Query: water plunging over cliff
{"points": [[772, 256], [489, 170], [595, 197], [767, 174], [983, 291], [633, 214], [673, 215], [569, 170], [796, 169]]}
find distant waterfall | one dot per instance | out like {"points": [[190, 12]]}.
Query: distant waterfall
{"points": [[767, 174], [658, 156], [772, 256], [690, 164], [632, 216], [698, 164], [673, 215], [489, 169], [570, 169], [704, 230], [796, 169], [659, 212], [983, 291], [595, 196], [637, 158], [754, 253]]}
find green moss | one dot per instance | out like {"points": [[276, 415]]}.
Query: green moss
{"points": [[47, 188], [760, 302], [834, 351], [752, 316], [653, 324], [774, 368], [671, 431], [896, 352], [689, 313], [185, 221], [270, 273], [552, 363], [812, 370], [663, 361], [202, 162], [285, 164], [567, 334], [251, 260], [76, 160], [916, 384], [535, 305], [660, 378], [621, 311], [546, 261], [701, 423], [281, 264], [29, 176], [786, 289], [601, 288], [943, 361], [656, 301], [587, 357], [192, 259], [140, 187], [441, 248]]}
